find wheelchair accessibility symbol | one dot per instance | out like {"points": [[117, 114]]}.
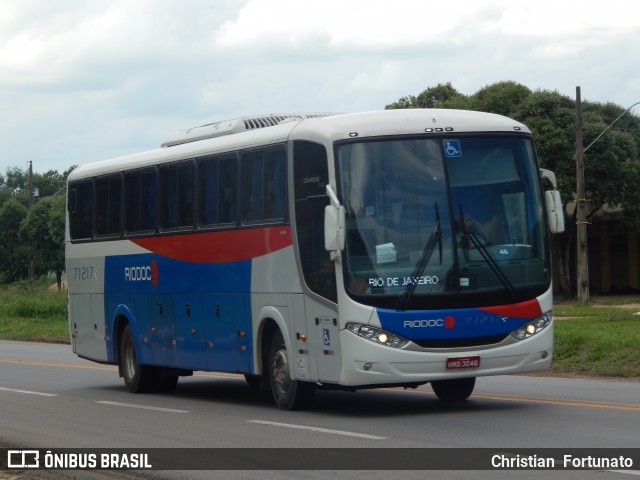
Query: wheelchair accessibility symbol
{"points": [[452, 148]]}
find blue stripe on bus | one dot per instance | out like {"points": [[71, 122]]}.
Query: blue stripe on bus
{"points": [[448, 324], [186, 315]]}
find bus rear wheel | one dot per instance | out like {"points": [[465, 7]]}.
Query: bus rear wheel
{"points": [[454, 390], [138, 378], [289, 394]]}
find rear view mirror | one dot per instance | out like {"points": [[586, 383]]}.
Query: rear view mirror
{"points": [[334, 228], [555, 211], [334, 220]]}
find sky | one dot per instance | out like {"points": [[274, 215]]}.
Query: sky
{"points": [[87, 80]]}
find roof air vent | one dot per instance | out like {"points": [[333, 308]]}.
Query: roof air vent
{"points": [[238, 125]]}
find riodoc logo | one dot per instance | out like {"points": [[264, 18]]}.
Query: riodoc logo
{"points": [[146, 273], [446, 322]]}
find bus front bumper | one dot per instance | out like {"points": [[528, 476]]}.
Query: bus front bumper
{"points": [[365, 363]]}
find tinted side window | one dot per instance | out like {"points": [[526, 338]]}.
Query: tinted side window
{"points": [[264, 185], [178, 195], [310, 177], [218, 190], [140, 201], [108, 205], [80, 205]]}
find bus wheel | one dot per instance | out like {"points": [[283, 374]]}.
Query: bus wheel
{"points": [[138, 378], [254, 381], [454, 390], [288, 394], [167, 383]]}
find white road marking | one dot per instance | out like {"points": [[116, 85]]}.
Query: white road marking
{"points": [[143, 407], [29, 392], [320, 430], [626, 472]]}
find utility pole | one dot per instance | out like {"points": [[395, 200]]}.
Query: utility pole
{"points": [[30, 202], [582, 257]]}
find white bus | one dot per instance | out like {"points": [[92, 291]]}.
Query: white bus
{"points": [[391, 248]]}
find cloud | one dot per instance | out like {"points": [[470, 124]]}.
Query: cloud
{"points": [[359, 24], [82, 80]]}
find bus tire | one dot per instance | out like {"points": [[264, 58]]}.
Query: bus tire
{"points": [[254, 381], [138, 378], [167, 383], [454, 390], [289, 394]]}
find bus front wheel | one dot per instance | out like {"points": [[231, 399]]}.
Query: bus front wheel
{"points": [[454, 390], [289, 394]]}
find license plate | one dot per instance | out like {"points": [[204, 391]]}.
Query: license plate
{"points": [[463, 362]]}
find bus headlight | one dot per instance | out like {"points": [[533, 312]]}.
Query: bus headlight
{"points": [[377, 335], [532, 328]]}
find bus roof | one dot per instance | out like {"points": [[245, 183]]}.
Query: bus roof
{"points": [[407, 122], [249, 132], [236, 125]]}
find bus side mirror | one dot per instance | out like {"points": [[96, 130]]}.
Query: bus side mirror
{"points": [[555, 211], [334, 219]]}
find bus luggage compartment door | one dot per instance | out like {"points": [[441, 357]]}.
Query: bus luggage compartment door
{"points": [[226, 337], [87, 326]]}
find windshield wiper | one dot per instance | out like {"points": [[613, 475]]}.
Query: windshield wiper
{"points": [[478, 244], [434, 240]]}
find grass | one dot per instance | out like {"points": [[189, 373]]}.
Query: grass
{"points": [[600, 339], [33, 313]]}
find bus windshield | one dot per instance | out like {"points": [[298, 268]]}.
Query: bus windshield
{"points": [[429, 219]]}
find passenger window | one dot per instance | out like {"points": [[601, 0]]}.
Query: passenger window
{"points": [[218, 190], [140, 202], [264, 187], [178, 195], [80, 205], [108, 206]]}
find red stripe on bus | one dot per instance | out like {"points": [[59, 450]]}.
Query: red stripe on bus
{"points": [[528, 309], [219, 247]]}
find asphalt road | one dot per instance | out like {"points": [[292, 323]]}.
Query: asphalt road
{"points": [[51, 399]]}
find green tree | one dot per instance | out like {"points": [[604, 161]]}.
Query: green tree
{"points": [[440, 96], [502, 98], [43, 231], [41, 228], [15, 184], [13, 255]]}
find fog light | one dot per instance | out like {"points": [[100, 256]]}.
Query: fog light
{"points": [[367, 367]]}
